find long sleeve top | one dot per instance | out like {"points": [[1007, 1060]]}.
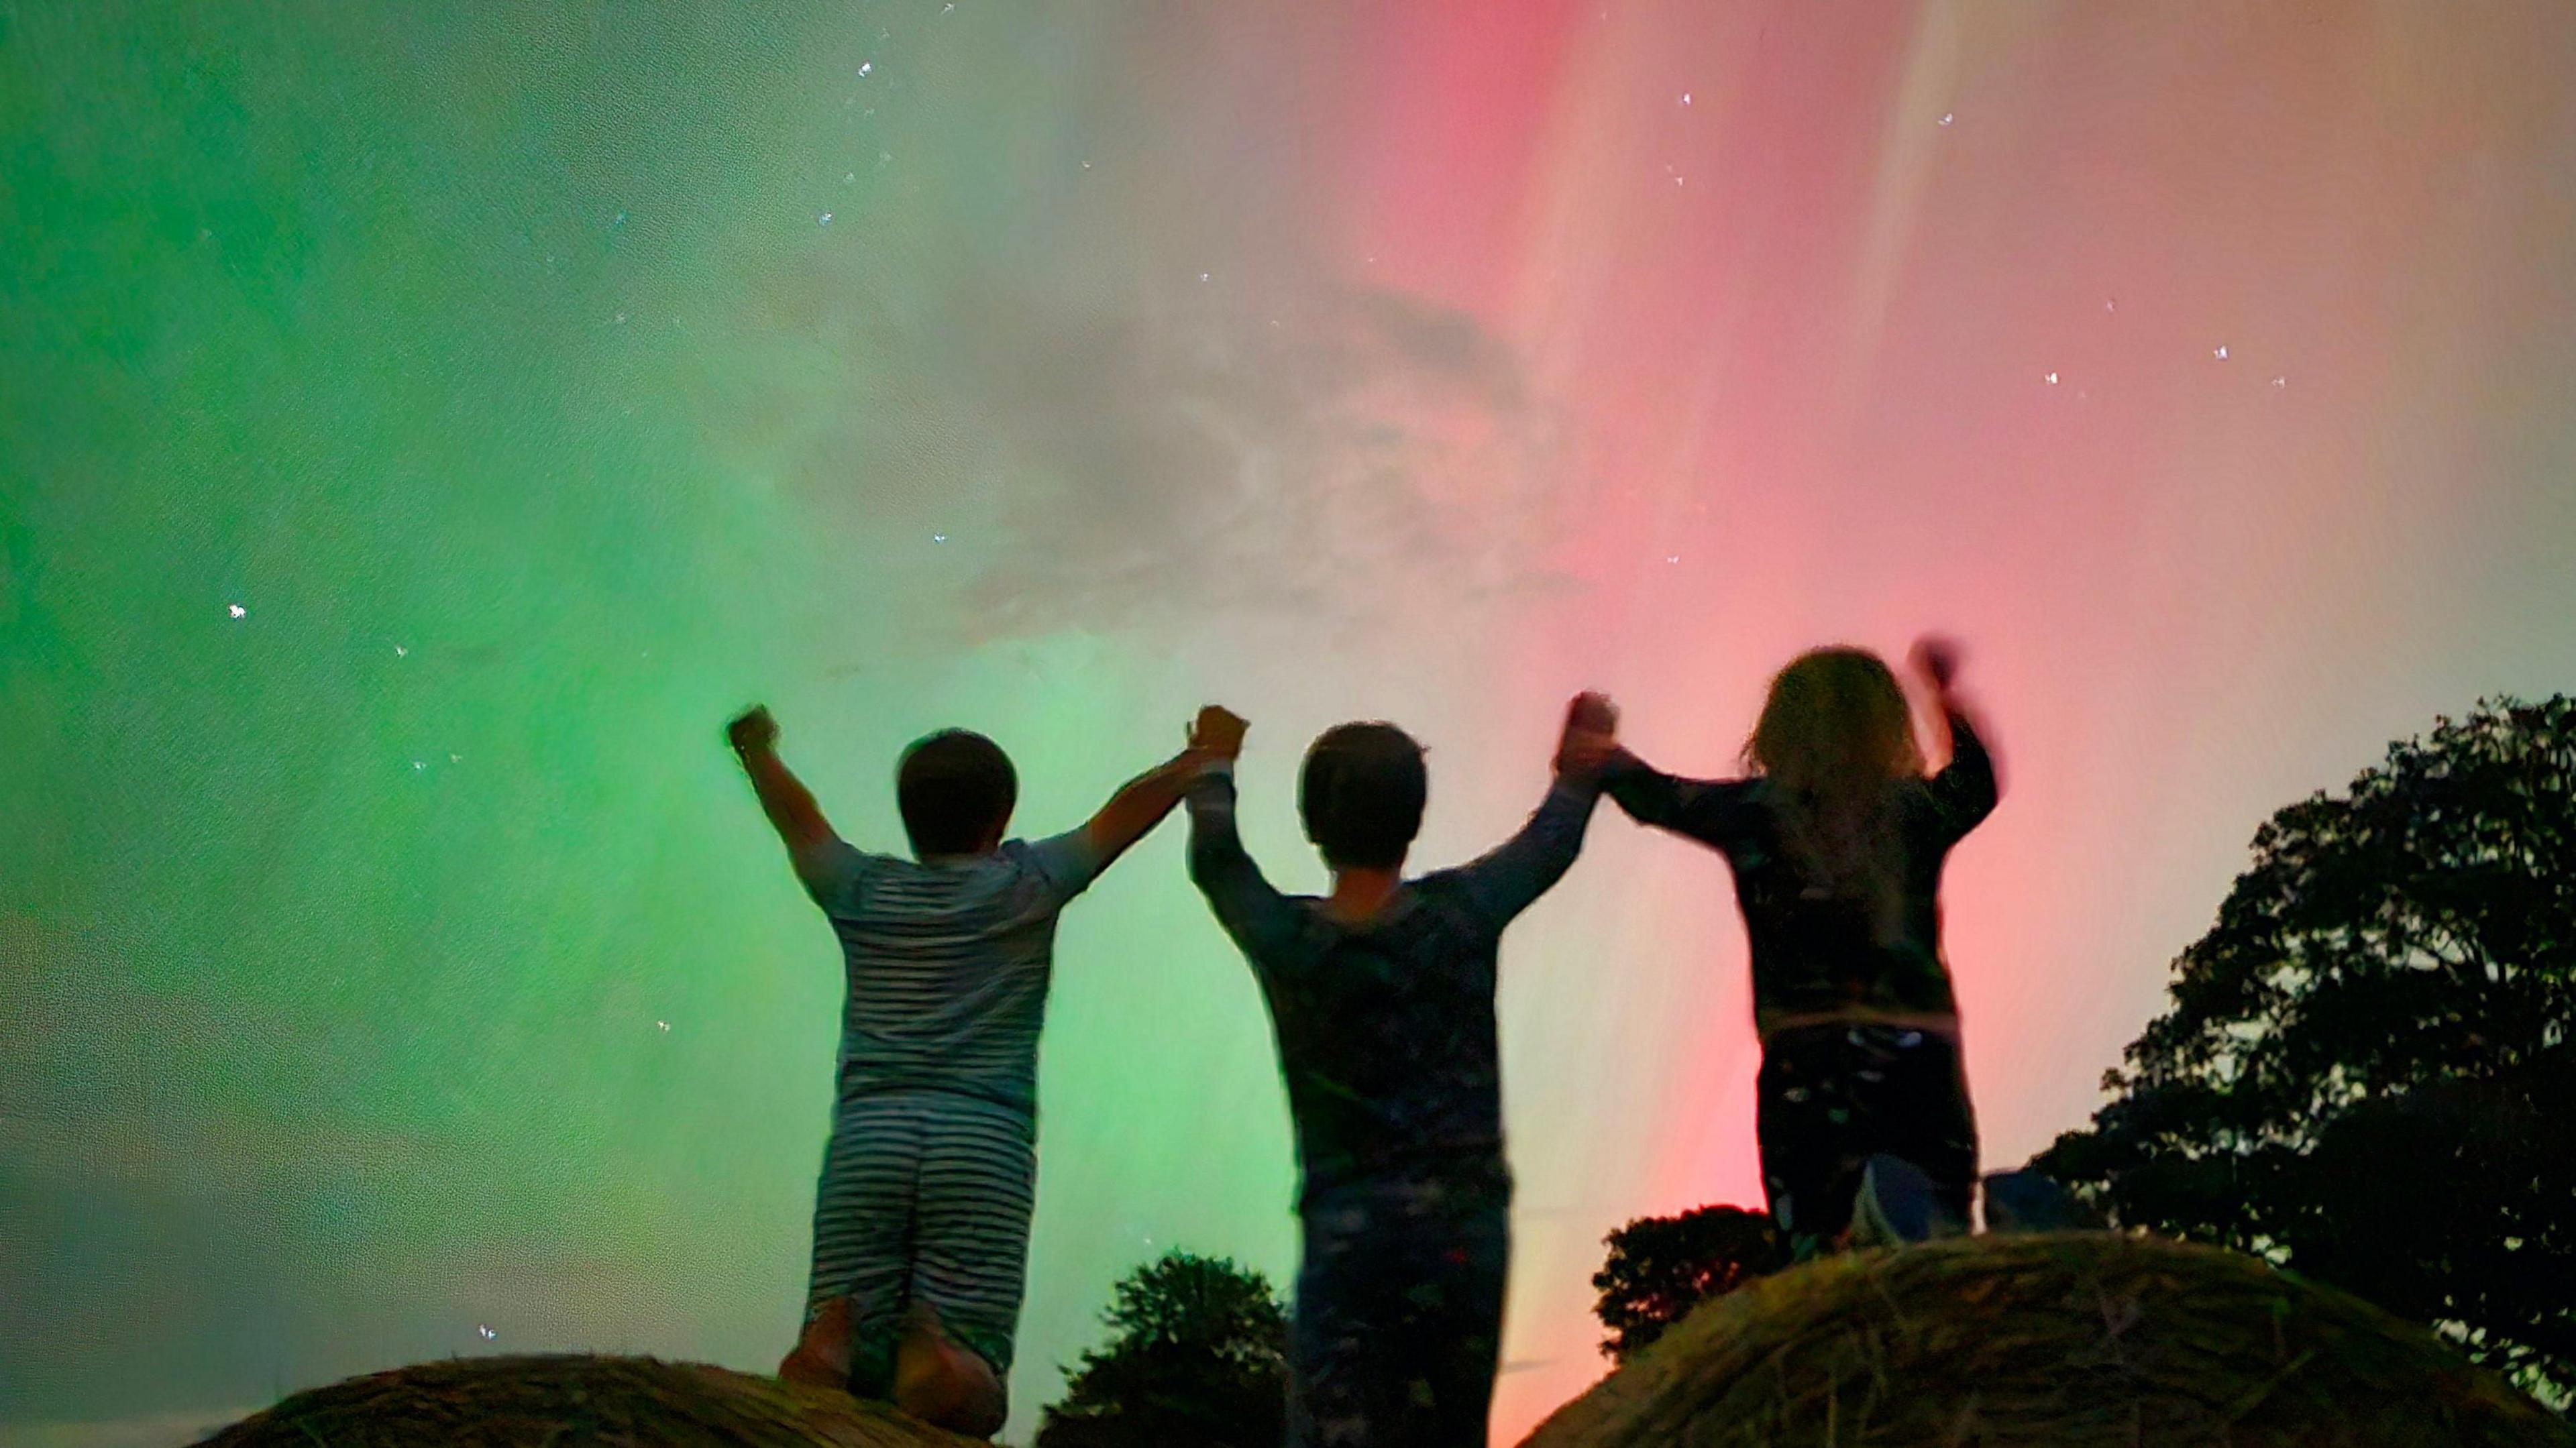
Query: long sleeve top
{"points": [[1386, 1028], [1820, 953]]}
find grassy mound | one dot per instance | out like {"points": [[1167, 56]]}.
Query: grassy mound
{"points": [[2072, 1339], [571, 1401]]}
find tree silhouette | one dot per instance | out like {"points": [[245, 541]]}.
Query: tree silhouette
{"points": [[2366, 1073], [1197, 1358], [1659, 1268]]}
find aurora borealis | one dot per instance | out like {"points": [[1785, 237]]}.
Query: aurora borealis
{"points": [[396, 967]]}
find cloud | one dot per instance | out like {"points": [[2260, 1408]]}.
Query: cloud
{"points": [[150, 1430], [1377, 451], [85, 1056], [1374, 451], [1116, 460]]}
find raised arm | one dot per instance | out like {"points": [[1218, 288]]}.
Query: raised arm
{"points": [[1966, 789], [783, 797], [1506, 879], [1258, 918], [1708, 810], [1139, 805]]}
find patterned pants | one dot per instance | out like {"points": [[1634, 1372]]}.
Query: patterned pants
{"points": [[1398, 1324], [1832, 1096], [925, 1197]]}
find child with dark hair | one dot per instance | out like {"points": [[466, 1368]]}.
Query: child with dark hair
{"points": [[1837, 842], [921, 1217], [1382, 996]]}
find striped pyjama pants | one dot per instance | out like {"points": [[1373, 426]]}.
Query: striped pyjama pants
{"points": [[924, 1198]]}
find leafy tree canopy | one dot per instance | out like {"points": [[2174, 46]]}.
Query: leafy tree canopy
{"points": [[1659, 1268], [2366, 1073], [1196, 1358]]}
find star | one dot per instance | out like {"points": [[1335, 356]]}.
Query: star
{"points": [[236, 610]]}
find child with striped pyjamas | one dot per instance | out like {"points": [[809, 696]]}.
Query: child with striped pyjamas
{"points": [[921, 1217]]}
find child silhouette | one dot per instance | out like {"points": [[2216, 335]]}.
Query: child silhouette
{"points": [[1382, 996], [921, 1216], [1837, 841]]}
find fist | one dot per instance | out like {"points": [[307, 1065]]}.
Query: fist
{"points": [[1591, 735], [1936, 658], [752, 729], [1592, 714], [1218, 731]]}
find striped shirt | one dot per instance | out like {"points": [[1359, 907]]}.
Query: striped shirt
{"points": [[948, 962]]}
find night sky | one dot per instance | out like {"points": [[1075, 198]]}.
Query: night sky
{"points": [[421, 425]]}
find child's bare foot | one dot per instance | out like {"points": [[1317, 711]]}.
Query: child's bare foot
{"points": [[821, 1358], [945, 1385]]}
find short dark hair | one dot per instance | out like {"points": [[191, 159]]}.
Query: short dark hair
{"points": [[955, 789], [1361, 795]]}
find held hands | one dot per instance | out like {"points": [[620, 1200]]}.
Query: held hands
{"points": [[1218, 732], [1591, 737], [752, 729]]}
